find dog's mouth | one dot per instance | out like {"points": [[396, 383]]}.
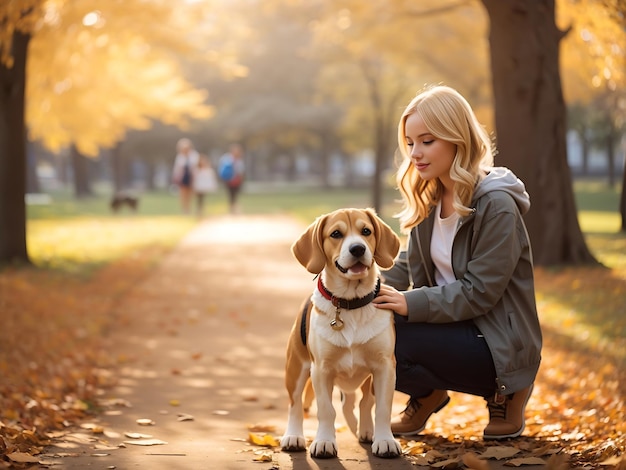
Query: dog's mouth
{"points": [[356, 268]]}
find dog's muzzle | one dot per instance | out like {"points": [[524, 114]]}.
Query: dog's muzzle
{"points": [[357, 250]]}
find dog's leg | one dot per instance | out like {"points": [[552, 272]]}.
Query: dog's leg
{"points": [[384, 378], [325, 445], [293, 439], [309, 396], [366, 423], [348, 401]]}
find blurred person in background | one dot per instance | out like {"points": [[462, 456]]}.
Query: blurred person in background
{"points": [[204, 182], [183, 172], [231, 170]]}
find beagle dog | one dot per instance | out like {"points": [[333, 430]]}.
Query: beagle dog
{"points": [[340, 338]]}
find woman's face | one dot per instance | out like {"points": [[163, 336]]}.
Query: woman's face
{"points": [[431, 157]]}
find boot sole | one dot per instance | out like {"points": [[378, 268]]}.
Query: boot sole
{"points": [[495, 437], [417, 431]]}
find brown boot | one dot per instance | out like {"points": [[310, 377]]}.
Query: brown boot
{"points": [[506, 414], [413, 419]]}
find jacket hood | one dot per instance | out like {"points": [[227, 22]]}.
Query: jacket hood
{"points": [[503, 179]]}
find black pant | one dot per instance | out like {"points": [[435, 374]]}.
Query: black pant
{"points": [[442, 356]]}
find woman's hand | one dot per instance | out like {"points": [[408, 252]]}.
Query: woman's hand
{"points": [[391, 299]]}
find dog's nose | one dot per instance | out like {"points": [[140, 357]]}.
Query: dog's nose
{"points": [[357, 250]]}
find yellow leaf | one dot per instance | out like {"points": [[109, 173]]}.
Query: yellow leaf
{"points": [[265, 440]]}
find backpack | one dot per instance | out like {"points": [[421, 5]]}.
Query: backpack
{"points": [[226, 170]]}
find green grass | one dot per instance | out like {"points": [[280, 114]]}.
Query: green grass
{"points": [[70, 232]]}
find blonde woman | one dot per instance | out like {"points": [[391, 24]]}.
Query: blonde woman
{"points": [[463, 291]]}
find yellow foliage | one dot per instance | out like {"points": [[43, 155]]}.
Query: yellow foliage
{"points": [[97, 69], [593, 55]]}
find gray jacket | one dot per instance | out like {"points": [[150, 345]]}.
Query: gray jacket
{"points": [[492, 262]]}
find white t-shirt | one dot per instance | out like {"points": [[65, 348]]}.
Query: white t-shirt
{"points": [[441, 246]]}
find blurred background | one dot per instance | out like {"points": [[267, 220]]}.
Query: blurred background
{"points": [[313, 92], [309, 88]]}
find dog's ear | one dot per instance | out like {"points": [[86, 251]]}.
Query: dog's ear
{"points": [[308, 249], [387, 242]]}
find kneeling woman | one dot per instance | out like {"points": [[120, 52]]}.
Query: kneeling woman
{"points": [[463, 291]]}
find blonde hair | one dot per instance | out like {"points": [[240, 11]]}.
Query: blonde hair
{"points": [[448, 116]]}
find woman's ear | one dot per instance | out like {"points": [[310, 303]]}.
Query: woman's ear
{"points": [[387, 242], [308, 249]]}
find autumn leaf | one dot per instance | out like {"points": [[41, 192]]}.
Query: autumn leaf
{"points": [[265, 440], [472, 461], [146, 442], [525, 461], [499, 452]]}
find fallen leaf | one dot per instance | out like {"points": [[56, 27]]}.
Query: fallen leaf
{"points": [[263, 440], [447, 464], [145, 422], [146, 442], [472, 461], [174, 402], [525, 461], [137, 435], [263, 457], [261, 428], [499, 452], [22, 457]]}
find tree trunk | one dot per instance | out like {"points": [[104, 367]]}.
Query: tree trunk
{"points": [[13, 155], [622, 202], [530, 123], [82, 188], [610, 154], [119, 169]]}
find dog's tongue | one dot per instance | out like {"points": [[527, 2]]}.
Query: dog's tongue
{"points": [[358, 268]]}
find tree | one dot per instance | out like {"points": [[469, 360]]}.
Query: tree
{"points": [[97, 70], [530, 123], [16, 22]]}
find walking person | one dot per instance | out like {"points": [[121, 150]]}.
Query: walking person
{"points": [[204, 182], [463, 290], [231, 169], [182, 174]]}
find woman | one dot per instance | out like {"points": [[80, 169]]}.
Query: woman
{"points": [[182, 174], [463, 291]]}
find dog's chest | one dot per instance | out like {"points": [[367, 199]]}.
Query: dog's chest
{"points": [[359, 325]]}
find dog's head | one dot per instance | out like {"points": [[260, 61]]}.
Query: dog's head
{"points": [[349, 241]]}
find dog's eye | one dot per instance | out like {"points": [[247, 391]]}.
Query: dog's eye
{"points": [[336, 234], [367, 232]]}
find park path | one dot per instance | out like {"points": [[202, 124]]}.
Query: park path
{"points": [[201, 343]]}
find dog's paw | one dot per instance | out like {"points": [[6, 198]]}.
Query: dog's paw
{"points": [[323, 449], [366, 436], [386, 448], [293, 443]]}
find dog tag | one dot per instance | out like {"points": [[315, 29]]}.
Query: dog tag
{"points": [[337, 323]]}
